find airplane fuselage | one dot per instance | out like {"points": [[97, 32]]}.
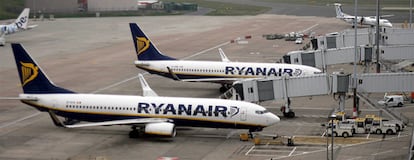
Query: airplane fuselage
{"points": [[198, 112], [372, 21], [217, 70]]}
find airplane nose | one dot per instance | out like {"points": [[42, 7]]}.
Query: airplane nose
{"points": [[272, 119]]}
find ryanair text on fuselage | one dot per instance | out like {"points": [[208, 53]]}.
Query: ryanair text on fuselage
{"points": [[187, 109], [256, 71]]}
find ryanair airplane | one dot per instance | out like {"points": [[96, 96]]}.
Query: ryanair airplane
{"points": [[224, 72], [149, 113]]}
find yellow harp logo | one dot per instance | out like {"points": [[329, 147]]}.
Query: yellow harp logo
{"points": [[29, 72], [142, 44]]}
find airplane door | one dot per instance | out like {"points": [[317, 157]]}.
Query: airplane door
{"points": [[243, 114]]}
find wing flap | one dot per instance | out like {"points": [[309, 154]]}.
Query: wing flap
{"points": [[120, 122]]}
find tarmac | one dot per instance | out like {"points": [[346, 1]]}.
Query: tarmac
{"points": [[95, 55]]}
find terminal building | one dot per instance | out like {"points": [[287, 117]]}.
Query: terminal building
{"points": [[73, 6]]}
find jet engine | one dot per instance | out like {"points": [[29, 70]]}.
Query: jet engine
{"points": [[162, 129]]}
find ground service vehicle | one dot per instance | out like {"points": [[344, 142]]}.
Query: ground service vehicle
{"points": [[376, 125], [392, 101], [340, 130]]}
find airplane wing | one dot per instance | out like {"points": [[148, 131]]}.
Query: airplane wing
{"points": [[382, 16], [120, 122], [136, 121], [214, 80], [219, 80], [146, 89], [387, 16]]}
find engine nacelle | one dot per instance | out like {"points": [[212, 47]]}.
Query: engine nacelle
{"points": [[162, 129]]}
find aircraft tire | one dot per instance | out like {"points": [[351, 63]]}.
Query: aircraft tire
{"points": [[134, 134], [223, 89]]}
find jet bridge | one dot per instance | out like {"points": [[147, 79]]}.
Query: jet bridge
{"points": [[282, 88], [322, 58], [338, 47], [346, 38]]}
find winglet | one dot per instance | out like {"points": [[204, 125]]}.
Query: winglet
{"points": [[223, 56], [146, 89]]}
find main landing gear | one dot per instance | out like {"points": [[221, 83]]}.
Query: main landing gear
{"points": [[224, 87], [69, 121], [135, 133], [287, 112]]}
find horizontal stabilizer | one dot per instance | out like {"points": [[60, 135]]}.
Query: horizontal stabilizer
{"points": [[19, 98], [32, 26]]}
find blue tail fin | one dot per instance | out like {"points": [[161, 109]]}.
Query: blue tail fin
{"points": [[143, 46], [32, 78]]}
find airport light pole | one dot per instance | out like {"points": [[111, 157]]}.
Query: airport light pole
{"points": [[332, 118], [327, 142], [411, 12], [354, 79], [377, 37]]}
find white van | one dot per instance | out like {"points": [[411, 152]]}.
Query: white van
{"points": [[392, 101]]}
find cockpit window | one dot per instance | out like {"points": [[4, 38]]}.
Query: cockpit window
{"points": [[261, 112]]}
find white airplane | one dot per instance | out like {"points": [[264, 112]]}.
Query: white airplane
{"points": [[151, 114], [20, 24], [224, 72], [363, 20]]}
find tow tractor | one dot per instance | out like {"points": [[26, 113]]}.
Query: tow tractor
{"points": [[376, 125], [340, 129]]}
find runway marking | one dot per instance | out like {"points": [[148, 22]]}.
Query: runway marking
{"points": [[345, 146], [355, 158], [117, 83], [293, 150], [19, 120], [206, 50], [309, 28], [374, 154], [249, 151]]}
